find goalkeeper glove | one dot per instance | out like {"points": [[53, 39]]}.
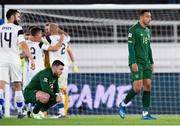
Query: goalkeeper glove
{"points": [[75, 69]]}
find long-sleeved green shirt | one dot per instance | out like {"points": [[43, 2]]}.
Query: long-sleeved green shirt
{"points": [[45, 81], [139, 45]]}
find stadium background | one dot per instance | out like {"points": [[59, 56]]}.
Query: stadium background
{"points": [[101, 52]]}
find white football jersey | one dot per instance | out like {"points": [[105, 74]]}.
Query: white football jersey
{"points": [[36, 49], [61, 54], [10, 36]]}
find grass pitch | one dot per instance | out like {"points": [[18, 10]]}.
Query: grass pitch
{"points": [[132, 120]]}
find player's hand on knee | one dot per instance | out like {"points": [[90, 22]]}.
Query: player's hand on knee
{"points": [[134, 67]]}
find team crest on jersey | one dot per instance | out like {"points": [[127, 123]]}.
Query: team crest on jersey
{"points": [[130, 35], [51, 86], [45, 79], [136, 75]]}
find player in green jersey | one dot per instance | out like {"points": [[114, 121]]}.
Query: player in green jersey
{"points": [[43, 90], [141, 63]]}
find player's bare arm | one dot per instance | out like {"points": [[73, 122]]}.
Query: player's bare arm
{"points": [[58, 45], [28, 54]]}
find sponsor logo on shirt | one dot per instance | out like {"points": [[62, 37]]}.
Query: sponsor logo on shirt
{"points": [[51, 86], [45, 79], [130, 35], [136, 75]]}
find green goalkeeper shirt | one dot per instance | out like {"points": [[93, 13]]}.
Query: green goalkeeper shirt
{"points": [[44, 81], [139, 45]]}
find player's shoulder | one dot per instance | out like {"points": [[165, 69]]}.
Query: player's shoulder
{"points": [[43, 72], [67, 38], [18, 27], [148, 29], [11, 26], [29, 42], [133, 27], [54, 37], [46, 70], [47, 39]]}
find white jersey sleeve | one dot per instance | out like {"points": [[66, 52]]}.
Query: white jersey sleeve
{"points": [[20, 35], [67, 38], [44, 46]]}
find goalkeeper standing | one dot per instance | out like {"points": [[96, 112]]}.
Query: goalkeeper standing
{"points": [[141, 64]]}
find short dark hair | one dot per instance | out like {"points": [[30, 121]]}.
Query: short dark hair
{"points": [[34, 30], [143, 11], [11, 12], [57, 63]]}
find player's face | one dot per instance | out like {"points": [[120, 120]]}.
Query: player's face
{"points": [[58, 70], [17, 19], [46, 28], [146, 18], [38, 36]]}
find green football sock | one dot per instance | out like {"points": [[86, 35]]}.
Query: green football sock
{"points": [[146, 100], [130, 96]]}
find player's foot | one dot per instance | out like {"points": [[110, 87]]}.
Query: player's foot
{"points": [[148, 117], [122, 111], [36, 116], [29, 114], [40, 115], [45, 114], [58, 116], [20, 116], [66, 116]]}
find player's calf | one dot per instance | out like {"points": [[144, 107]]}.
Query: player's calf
{"points": [[61, 106], [1, 102], [19, 103]]}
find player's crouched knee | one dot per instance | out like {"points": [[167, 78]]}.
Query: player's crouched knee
{"points": [[147, 87], [137, 89], [43, 97]]}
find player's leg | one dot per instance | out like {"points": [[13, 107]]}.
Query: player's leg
{"points": [[19, 99], [38, 98], [4, 78], [147, 84], [41, 99], [16, 78], [49, 104], [29, 75], [137, 78], [62, 81], [2, 85], [65, 90]]}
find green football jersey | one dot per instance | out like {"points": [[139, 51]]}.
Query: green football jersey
{"points": [[44, 81], [139, 45]]}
